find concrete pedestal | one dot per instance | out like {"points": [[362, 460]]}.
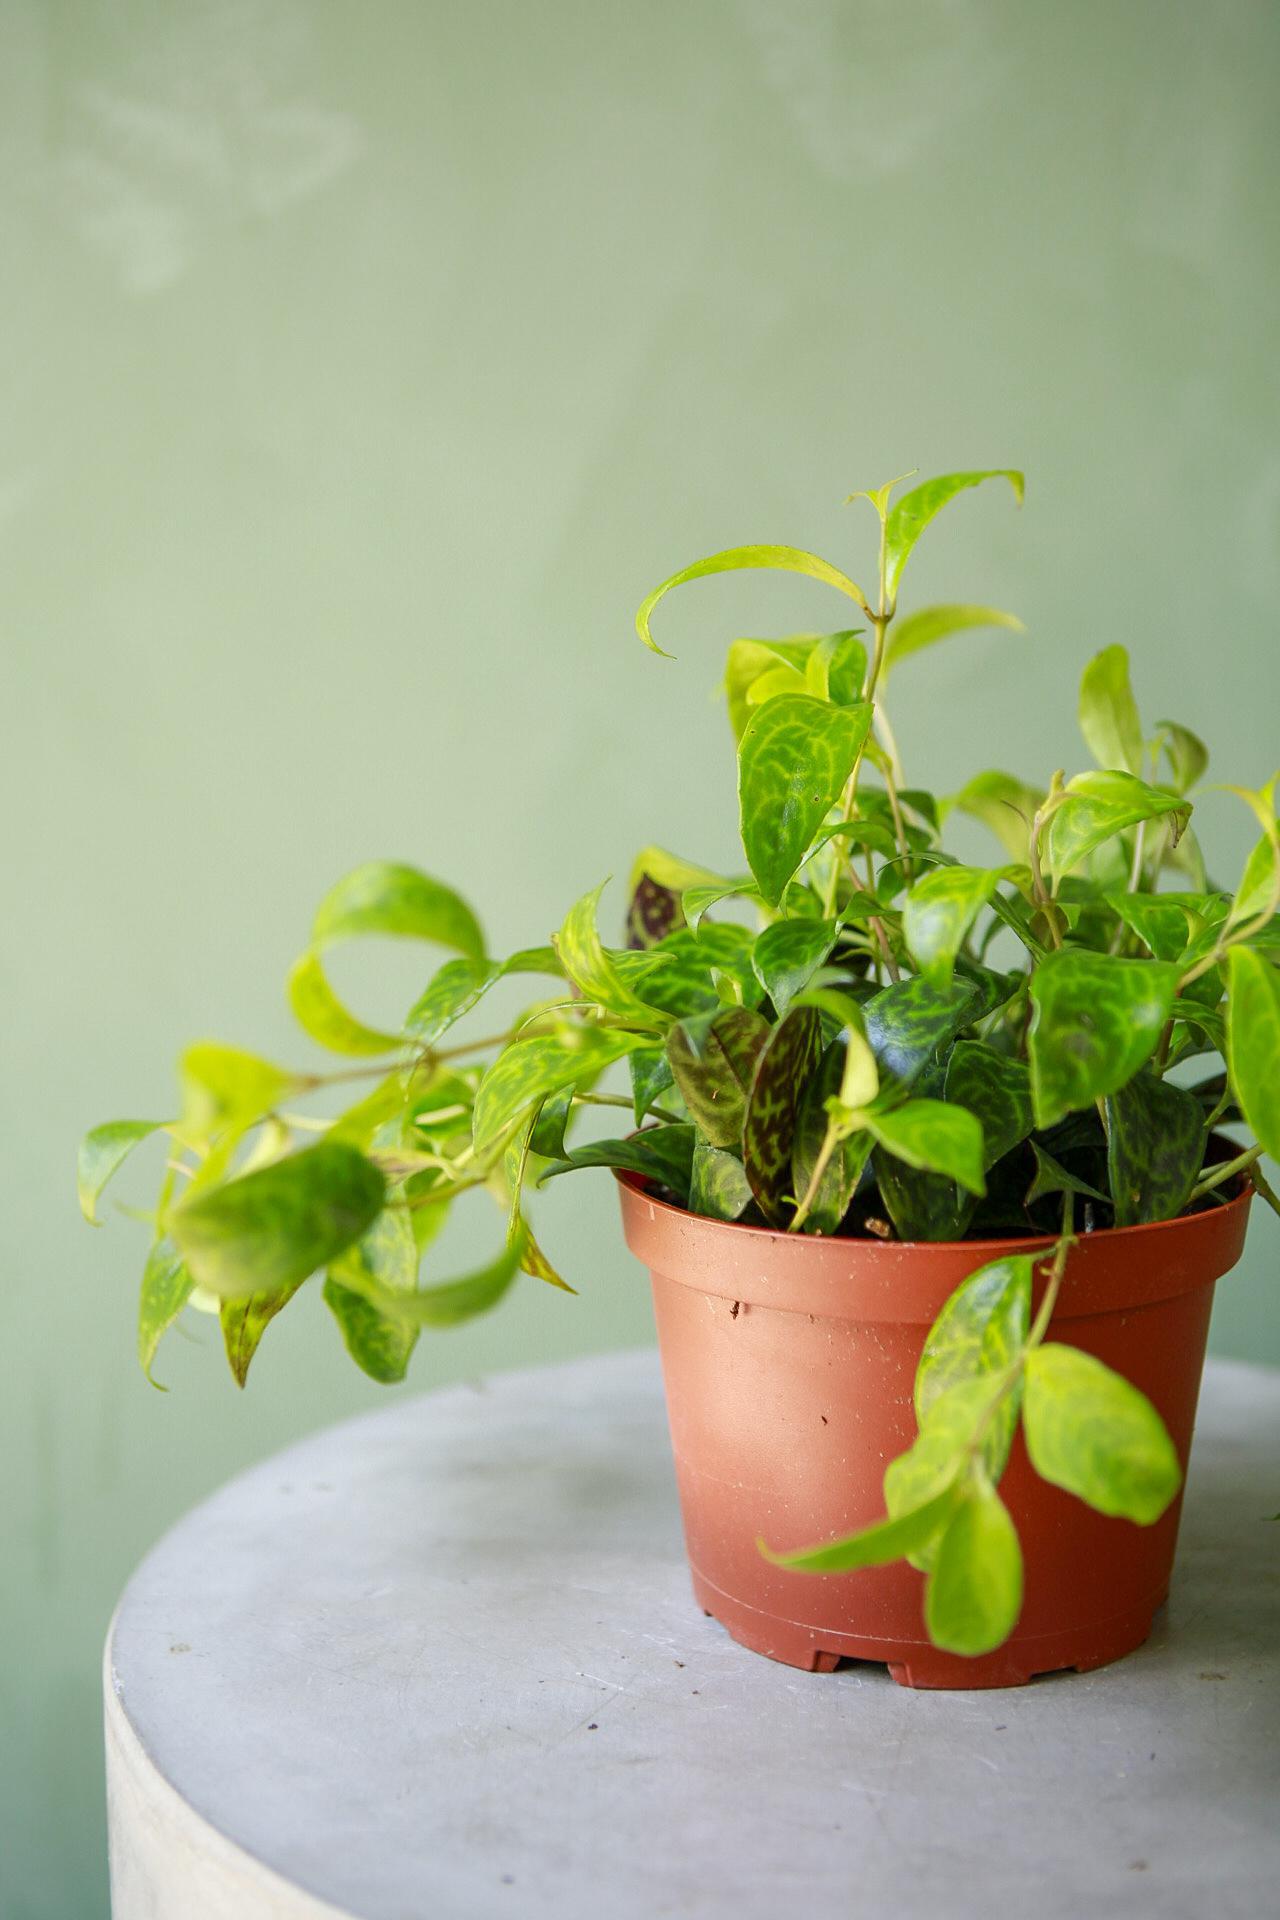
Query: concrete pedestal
{"points": [[443, 1661]]}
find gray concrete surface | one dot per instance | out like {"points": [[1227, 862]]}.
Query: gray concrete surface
{"points": [[442, 1661]]}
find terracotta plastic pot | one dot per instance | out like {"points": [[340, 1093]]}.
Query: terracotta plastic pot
{"points": [[789, 1364]]}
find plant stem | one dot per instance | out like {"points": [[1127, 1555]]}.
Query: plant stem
{"points": [[620, 1100], [1264, 1189], [830, 1141], [1224, 1171]]}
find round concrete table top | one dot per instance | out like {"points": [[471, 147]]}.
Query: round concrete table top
{"points": [[443, 1661]]}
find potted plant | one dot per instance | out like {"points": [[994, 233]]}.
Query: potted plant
{"points": [[924, 1161]]}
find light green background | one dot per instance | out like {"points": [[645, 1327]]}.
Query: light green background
{"points": [[360, 367]]}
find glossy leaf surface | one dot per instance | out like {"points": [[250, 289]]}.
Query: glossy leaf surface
{"points": [[529, 1070], [908, 1022], [1155, 1149], [1253, 1043], [1095, 1020], [783, 1068], [1109, 713], [736, 559], [713, 1060], [663, 1154], [718, 1184], [997, 1090], [933, 1136], [1100, 805], [939, 911], [788, 954], [974, 1594], [912, 514], [795, 757], [1091, 1432]]}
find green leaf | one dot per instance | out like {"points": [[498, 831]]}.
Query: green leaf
{"points": [[994, 1088], [931, 624], [166, 1288], [590, 968], [836, 668], [663, 1154], [1002, 803], [788, 954], [387, 1255], [1253, 1043], [651, 1078], [1187, 755], [718, 1184], [713, 1059], [934, 1136], [103, 1151], [455, 1301], [453, 990], [1096, 807], [736, 559], [941, 1451], [848, 1157], [912, 514], [1052, 1177], [1155, 1149], [909, 1022], [387, 898], [874, 1546], [1108, 712], [980, 1333], [974, 1594], [528, 1070], [1095, 1020], [1092, 1433], [1259, 882], [321, 1015], [1158, 920], [783, 1068], [267, 1231], [224, 1090], [938, 913], [678, 975], [244, 1322], [921, 1205], [796, 755]]}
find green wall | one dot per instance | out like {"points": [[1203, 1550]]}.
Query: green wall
{"points": [[360, 367]]}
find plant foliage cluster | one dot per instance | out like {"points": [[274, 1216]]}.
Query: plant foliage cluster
{"points": [[902, 1044]]}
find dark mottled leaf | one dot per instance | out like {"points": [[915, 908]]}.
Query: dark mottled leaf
{"points": [[843, 1170], [783, 1069], [1155, 1149], [922, 1205], [1052, 1177], [713, 1058], [663, 1154], [910, 1021], [1095, 1020], [996, 1089]]}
